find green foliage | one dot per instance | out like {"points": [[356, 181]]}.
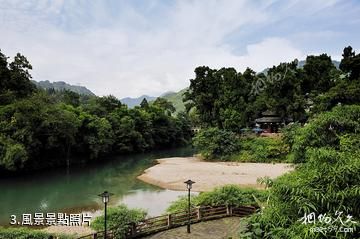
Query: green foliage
{"points": [[289, 133], [326, 182], [232, 100], [261, 149], [318, 74], [165, 105], [63, 86], [41, 129], [144, 104], [350, 63], [118, 218], [214, 143], [347, 87], [13, 155], [326, 130], [176, 99], [181, 204], [25, 233], [232, 195], [14, 78], [266, 180]]}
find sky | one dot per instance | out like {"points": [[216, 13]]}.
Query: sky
{"points": [[136, 47]]}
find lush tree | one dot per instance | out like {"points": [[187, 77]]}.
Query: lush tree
{"points": [[346, 89], [144, 104], [326, 130], [43, 129], [319, 74], [165, 105], [350, 63], [119, 218], [49, 128], [15, 78], [327, 183], [214, 143], [203, 94]]}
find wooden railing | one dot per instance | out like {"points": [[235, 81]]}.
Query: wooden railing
{"points": [[165, 222]]}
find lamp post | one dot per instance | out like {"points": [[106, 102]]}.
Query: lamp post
{"points": [[105, 198], [189, 184]]}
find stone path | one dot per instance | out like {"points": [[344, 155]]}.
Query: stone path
{"points": [[225, 228]]}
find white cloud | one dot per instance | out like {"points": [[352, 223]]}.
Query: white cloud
{"points": [[129, 54]]}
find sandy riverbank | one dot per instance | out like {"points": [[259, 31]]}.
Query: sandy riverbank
{"points": [[171, 173]]}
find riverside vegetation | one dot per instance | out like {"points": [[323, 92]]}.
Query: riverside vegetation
{"points": [[46, 128], [324, 143]]}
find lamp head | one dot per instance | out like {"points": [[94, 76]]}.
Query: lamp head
{"points": [[105, 196], [189, 184]]}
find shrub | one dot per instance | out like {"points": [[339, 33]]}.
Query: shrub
{"points": [[289, 132], [232, 195], [181, 204], [327, 183], [261, 149], [214, 143], [118, 217], [227, 195], [326, 130], [13, 155], [328, 180]]}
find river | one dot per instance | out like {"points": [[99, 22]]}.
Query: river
{"points": [[76, 190]]}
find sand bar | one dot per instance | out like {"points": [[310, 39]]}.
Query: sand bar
{"points": [[171, 173]]}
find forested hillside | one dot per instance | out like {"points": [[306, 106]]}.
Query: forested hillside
{"points": [[48, 128], [176, 98], [132, 102], [232, 100], [60, 85]]}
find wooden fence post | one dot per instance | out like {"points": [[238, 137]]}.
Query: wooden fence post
{"points": [[228, 210], [152, 225], [169, 222], [133, 229], [199, 213]]}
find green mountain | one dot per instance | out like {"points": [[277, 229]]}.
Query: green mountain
{"points": [[60, 85], [176, 99], [132, 102]]}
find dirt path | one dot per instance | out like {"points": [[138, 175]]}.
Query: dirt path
{"points": [[69, 230], [224, 228], [171, 173]]}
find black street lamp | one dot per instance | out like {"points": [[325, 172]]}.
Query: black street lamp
{"points": [[189, 184], [105, 198]]}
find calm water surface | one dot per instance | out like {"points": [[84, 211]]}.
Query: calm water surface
{"points": [[76, 190]]}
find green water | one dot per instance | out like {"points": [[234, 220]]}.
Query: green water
{"points": [[76, 190]]}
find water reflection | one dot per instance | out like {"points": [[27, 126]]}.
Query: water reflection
{"points": [[76, 190], [154, 201]]}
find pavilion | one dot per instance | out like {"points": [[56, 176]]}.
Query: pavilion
{"points": [[270, 122]]}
